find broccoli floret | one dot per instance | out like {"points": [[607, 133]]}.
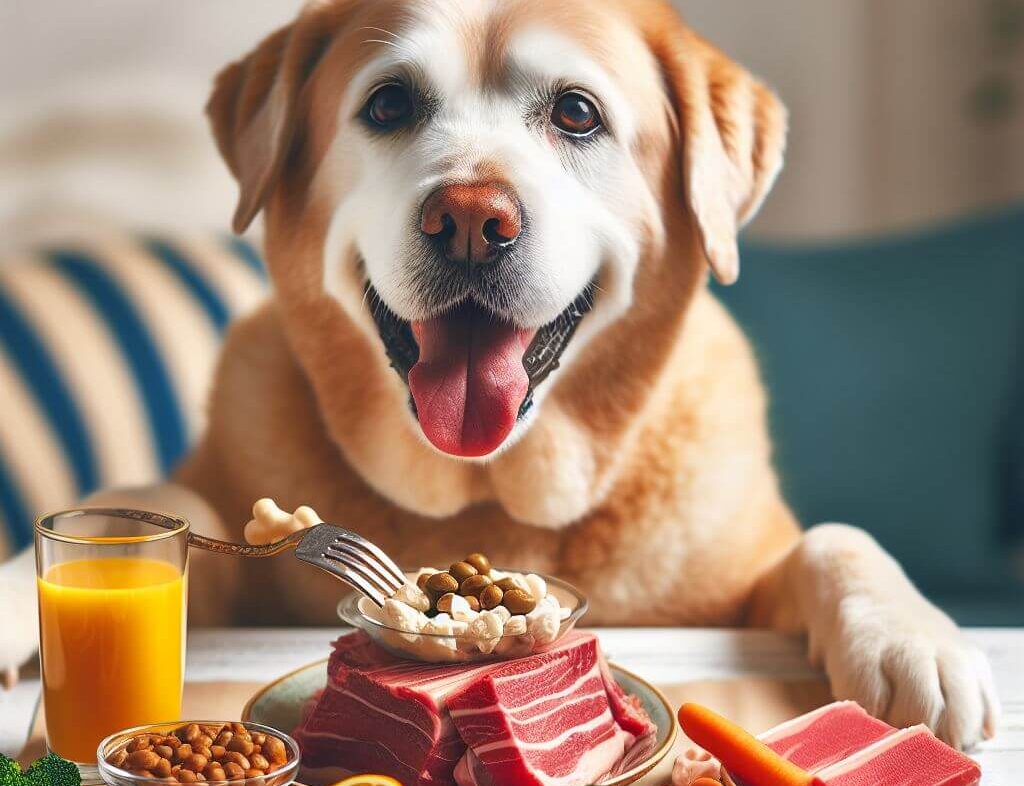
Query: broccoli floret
{"points": [[52, 770], [10, 772]]}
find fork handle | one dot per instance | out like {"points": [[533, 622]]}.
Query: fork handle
{"points": [[221, 546], [244, 549]]}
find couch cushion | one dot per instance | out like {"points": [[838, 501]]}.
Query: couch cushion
{"points": [[894, 370], [106, 353]]}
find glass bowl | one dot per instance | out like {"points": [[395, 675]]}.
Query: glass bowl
{"points": [[464, 647], [115, 776]]}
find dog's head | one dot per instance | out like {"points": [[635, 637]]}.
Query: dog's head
{"points": [[489, 176]]}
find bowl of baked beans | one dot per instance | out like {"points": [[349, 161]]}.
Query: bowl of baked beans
{"points": [[191, 752]]}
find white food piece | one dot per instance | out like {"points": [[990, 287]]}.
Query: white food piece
{"points": [[502, 612], [270, 524], [536, 586], [486, 631], [411, 595], [402, 617], [544, 626], [515, 625], [460, 609]]}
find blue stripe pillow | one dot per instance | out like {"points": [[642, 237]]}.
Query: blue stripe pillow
{"points": [[106, 354]]}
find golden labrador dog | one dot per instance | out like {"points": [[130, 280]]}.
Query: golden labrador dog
{"points": [[489, 225]]}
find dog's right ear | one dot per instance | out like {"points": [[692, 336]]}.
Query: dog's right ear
{"points": [[253, 105]]}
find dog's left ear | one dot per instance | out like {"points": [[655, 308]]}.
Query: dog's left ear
{"points": [[253, 105], [732, 131]]}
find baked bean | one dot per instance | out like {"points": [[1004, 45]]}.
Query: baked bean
{"points": [[164, 751], [258, 761], [200, 778], [186, 776], [237, 758], [254, 773], [233, 771], [192, 732], [519, 601], [259, 738], [138, 744], [461, 571], [490, 597], [274, 750], [143, 760], [205, 740], [215, 773], [239, 728], [507, 583], [162, 768], [118, 758], [474, 585], [196, 762], [182, 752], [241, 745], [440, 583], [480, 562], [202, 750], [217, 751]]}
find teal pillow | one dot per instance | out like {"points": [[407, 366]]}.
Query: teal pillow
{"points": [[892, 367]]}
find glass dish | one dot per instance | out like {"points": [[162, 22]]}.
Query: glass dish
{"points": [[115, 776], [463, 648]]}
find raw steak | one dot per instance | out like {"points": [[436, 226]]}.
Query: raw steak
{"points": [[909, 757], [844, 746], [382, 714], [825, 736], [548, 720]]}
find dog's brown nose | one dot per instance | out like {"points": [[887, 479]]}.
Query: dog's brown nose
{"points": [[472, 222]]}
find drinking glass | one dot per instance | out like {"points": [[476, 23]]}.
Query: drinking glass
{"points": [[113, 585]]}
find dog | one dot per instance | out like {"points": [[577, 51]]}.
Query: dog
{"points": [[489, 226]]}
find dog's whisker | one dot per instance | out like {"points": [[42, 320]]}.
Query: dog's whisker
{"points": [[382, 30]]}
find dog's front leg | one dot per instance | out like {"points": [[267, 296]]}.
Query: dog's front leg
{"points": [[880, 641], [19, 616]]}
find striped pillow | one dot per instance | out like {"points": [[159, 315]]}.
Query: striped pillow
{"points": [[106, 355]]}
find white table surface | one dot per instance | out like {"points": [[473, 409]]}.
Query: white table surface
{"points": [[661, 655]]}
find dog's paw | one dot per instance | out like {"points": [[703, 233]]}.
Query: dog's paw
{"points": [[906, 662], [20, 635]]}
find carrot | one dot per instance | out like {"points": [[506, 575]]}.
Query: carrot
{"points": [[742, 754]]}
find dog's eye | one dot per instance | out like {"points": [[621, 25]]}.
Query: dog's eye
{"points": [[575, 114], [390, 106]]}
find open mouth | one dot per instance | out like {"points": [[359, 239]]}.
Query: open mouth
{"points": [[471, 374]]}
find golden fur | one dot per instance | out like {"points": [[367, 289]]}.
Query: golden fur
{"points": [[630, 488]]}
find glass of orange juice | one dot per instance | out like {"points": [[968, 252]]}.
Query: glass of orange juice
{"points": [[112, 602]]}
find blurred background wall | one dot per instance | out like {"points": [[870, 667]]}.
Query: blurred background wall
{"points": [[903, 113], [883, 283]]}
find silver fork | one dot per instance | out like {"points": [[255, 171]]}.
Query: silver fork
{"points": [[344, 554]]}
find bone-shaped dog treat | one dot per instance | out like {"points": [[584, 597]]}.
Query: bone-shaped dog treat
{"points": [[270, 524]]}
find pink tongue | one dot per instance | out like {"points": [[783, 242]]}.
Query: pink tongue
{"points": [[469, 381]]}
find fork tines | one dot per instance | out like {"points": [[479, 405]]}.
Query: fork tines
{"points": [[353, 559]]}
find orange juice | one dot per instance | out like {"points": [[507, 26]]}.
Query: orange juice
{"points": [[112, 637]]}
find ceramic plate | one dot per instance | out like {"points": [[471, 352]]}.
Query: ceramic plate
{"points": [[280, 703]]}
